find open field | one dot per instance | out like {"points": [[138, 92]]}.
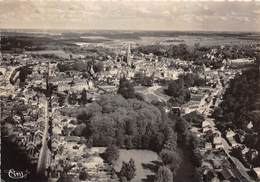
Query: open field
{"points": [[154, 93], [145, 162], [55, 40]]}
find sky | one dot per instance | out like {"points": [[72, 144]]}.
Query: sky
{"points": [[130, 15]]}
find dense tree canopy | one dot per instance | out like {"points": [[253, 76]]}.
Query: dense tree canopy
{"points": [[239, 99], [126, 88], [128, 123], [179, 93], [192, 80], [171, 159], [164, 174], [131, 124], [111, 154], [128, 170]]}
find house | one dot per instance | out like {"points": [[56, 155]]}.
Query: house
{"points": [[63, 87], [250, 125], [208, 146], [196, 97], [216, 163], [240, 136], [217, 142], [256, 172], [240, 62], [73, 139], [69, 177], [3, 71], [79, 86], [208, 175], [226, 174], [230, 135], [194, 129], [205, 126], [251, 154], [176, 111], [245, 150], [232, 142]]}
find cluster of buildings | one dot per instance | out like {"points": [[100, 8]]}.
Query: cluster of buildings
{"points": [[28, 127], [134, 65], [224, 155], [23, 126], [25, 115]]}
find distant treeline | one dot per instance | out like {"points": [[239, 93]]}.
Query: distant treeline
{"points": [[36, 43], [25, 42], [135, 34]]}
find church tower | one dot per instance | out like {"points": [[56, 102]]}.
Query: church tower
{"points": [[128, 55]]}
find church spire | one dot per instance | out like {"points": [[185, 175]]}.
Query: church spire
{"points": [[129, 61]]}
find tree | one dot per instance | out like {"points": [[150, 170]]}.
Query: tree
{"points": [[83, 175], [72, 99], [157, 142], [182, 127], [85, 118], [98, 67], [127, 123], [120, 137], [171, 159], [192, 79], [61, 100], [23, 74], [128, 142], [123, 179], [171, 142], [111, 154], [83, 98], [179, 93], [196, 157], [130, 128], [126, 89], [164, 174], [144, 80], [78, 131], [175, 88], [128, 170]]}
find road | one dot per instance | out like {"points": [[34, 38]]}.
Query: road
{"points": [[44, 152]]}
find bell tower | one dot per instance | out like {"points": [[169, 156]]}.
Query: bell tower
{"points": [[128, 55]]}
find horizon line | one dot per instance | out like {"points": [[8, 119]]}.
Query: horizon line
{"points": [[125, 30]]}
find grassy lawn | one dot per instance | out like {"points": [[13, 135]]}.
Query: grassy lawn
{"points": [[155, 93], [146, 163]]}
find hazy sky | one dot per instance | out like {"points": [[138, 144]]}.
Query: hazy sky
{"points": [[130, 15]]}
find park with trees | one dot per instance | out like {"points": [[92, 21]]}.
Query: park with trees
{"points": [[123, 121]]}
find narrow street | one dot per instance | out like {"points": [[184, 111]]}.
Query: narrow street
{"points": [[205, 110], [43, 157]]}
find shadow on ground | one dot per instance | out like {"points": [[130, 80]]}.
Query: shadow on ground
{"points": [[153, 167]]}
